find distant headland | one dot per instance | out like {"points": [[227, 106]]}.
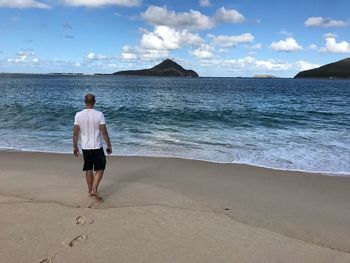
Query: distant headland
{"points": [[167, 68], [339, 69], [264, 77]]}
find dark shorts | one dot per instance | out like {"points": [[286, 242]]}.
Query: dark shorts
{"points": [[94, 159]]}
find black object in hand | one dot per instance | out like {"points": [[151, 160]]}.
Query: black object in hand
{"points": [[108, 150]]}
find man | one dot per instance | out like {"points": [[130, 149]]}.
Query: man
{"points": [[91, 124]]}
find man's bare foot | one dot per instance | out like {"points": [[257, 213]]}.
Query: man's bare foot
{"points": [[97, 196], [91, 194]]}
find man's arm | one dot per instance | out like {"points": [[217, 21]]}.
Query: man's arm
{"points": [[105, 135], [76, 130]]}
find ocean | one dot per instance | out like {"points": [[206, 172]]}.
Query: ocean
{"points": [[289, 124]]}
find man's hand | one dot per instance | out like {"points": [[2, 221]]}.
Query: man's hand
{"points": [[76, 130], [109, 149], [76, 151]]}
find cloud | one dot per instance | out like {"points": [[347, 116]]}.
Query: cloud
{"points": [[252, 64], [247, 64], [205, 51], [23, 4], [95, 57], [286, 33], [255, 64], [330, 35], [156, 15], [24, 57], [332, 46], [99, 3], [313, 47], [287, 45], [324, 22], [302, 65], [229, 16], [204, 3], [136, 53], [166, 38], [231, 41], [192, 20], [256, 46]]}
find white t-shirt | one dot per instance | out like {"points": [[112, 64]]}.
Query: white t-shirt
{"points": [[89, 121]]}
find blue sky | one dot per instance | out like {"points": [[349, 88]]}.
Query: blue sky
{"points": [[215, 38]]}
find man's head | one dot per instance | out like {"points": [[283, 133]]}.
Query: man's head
{"points": [[89, 99]]}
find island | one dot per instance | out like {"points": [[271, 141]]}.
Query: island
{"points": [[167, 68], [339, 69], [264, 77]]}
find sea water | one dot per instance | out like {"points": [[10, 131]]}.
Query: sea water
{"points": [[289, 124]]}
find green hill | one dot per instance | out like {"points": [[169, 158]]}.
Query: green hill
{"points": [[167, 68], [339, 69]]}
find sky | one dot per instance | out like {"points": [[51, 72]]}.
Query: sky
{"points": [[223, 38]]}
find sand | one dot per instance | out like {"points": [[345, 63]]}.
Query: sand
{"points": [[169, 210]]}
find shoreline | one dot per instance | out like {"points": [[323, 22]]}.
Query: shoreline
{"points": [[169, 210], [323, 173]]}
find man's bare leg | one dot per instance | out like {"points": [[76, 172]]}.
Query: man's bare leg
{"points": [[96, 182], [89, 180]]}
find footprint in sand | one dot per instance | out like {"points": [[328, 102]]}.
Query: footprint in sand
{"points": [[46, 260], [82, 220], [77, 239], [95, 204]]}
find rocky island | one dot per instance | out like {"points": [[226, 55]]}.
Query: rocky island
{"points": [[167, 68], [339, 69]]}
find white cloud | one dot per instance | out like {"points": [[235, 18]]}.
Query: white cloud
{"points": [[255, 64], [156, 15], [313, 47], [98, 3], [330, 35], [205, 51], [324, 22], [94, 56], [129, 54], [256, 46], [252, 64], [136, 53], [302, 65], [157, 44], [24, 56], [231, 41], [192, 20], [166, 38], [23, 4], [286, 33], [204, 3], [229, 16], [332, 46], [287, 45]]}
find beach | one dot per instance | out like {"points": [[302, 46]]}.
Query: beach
{"points": [[169, 210]]}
